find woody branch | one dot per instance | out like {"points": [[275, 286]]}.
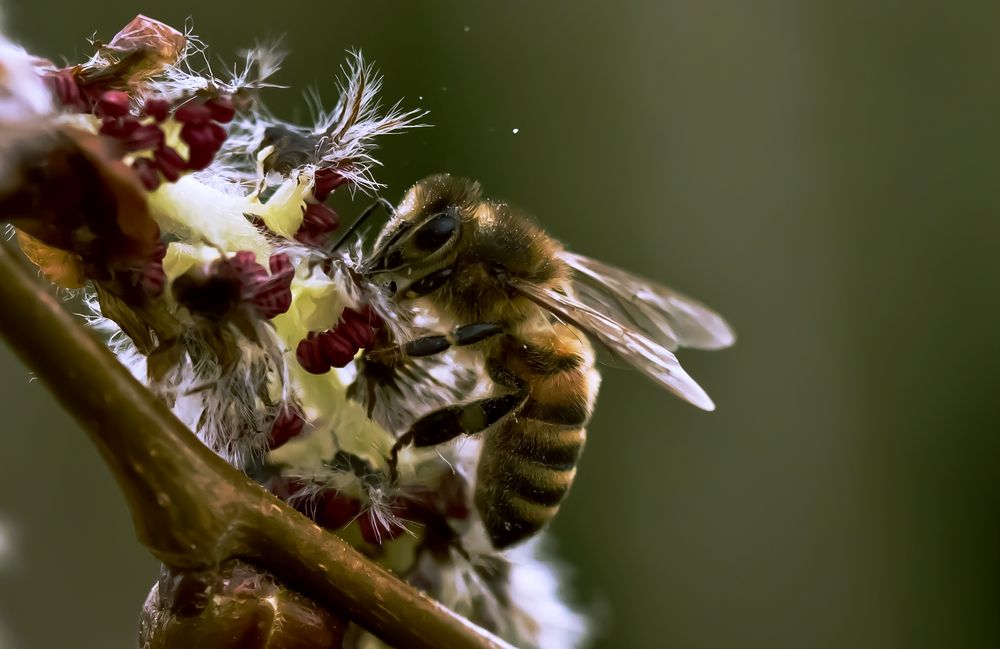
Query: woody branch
{"points": [[189, 507]]}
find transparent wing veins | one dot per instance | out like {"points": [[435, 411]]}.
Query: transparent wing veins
{"points": [[646, 355], [669, 318]]}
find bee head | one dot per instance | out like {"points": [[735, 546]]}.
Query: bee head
{"points": [[416, 250]]}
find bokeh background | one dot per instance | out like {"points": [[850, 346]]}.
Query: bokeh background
{"points": [[825, 173]]}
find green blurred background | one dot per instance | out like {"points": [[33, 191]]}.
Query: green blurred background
{"points": [[824, 173]]}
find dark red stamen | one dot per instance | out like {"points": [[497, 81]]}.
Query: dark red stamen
{"points": [[148, 173], [310, 355], [170, 163], [338, 346], [269, 294], [334, 511], [327, 179], [156, 108], [317, 222], [66, 89], [338, 350], [148, 136], [221, 109], [193, 113], [247, 270], [204, 141], [287, 425], [153, 278], [287, 488], [119, 127], [273, 296], [113, 103]]}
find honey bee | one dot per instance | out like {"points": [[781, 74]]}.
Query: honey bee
{"points": [[521, 301]]}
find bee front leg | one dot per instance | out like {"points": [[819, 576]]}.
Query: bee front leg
{"points": [[447, 423]]}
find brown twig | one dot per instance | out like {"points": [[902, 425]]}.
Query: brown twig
{"points": [[189, 507]]}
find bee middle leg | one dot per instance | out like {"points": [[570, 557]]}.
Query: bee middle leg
{"points": [[445, 424], [430, 345]]}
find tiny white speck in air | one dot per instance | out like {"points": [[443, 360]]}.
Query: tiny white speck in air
{"points": [[6, 542], [515, 131], [421, 97], [466, 29]]}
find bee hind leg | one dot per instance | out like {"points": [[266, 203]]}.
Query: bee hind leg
{"points": [[445, 424]]}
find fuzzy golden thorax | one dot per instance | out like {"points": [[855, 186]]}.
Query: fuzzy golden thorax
{"points": [[447, 243]]}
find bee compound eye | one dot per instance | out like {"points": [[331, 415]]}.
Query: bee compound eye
{"points": [[436, 232]]}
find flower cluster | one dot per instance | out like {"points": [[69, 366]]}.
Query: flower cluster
{"points": [[198, 226]]}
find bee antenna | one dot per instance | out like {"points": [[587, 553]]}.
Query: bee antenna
{"points": [[368, 211]]}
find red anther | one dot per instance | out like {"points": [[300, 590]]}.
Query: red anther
{"points": [[221, 108], [376, 530], [317, 221], [337, 349], [247, 270], [273, 299], [148, 174], [153, 279], [193, 113], [286, 426], [357, 326], [204, 141], [148, 136], [270, 295], [194, 135], [358, 333], [67, 90], [280, 264], [310, 238], [274, 303], [217, 133], [119, 126], [156, 108], [310, 355], [113, 103], [338, 346], [199, 159], [287, 488], [327, 179], [334, 511], [170, 163], [320, 218]]}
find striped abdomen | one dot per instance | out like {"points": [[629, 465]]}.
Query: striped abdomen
{"points": [[528, 460]]}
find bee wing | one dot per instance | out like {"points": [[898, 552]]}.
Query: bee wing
{"points": [[646, 355], [671, 319]]}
